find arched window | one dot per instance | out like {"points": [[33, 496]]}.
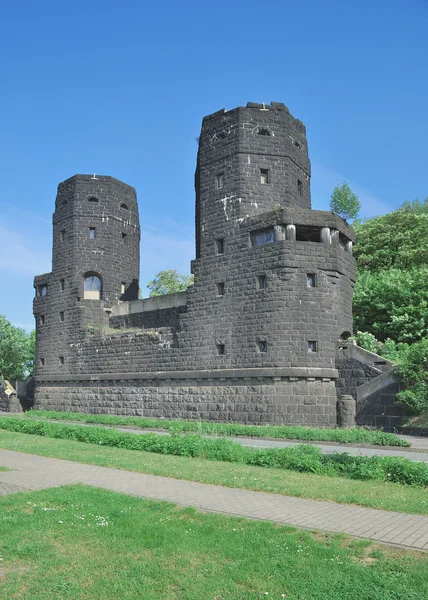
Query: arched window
{"points": [[124, 206], [263, 131], [93, 199], [92, 287]]}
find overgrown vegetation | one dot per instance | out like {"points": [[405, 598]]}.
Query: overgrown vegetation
{"points": [[371, 493], [75, 543], [391, 295], [302, 458], [295, 432]]}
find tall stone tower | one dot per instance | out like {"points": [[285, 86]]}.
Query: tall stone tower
{"points": [[96, 262], [286, 272]]}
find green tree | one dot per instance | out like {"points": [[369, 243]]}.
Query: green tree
{"points": [[169, 282], [17, 351], [344, 202], [392, 304], [397, 240]]}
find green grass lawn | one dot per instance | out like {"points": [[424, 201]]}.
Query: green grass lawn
{"points": [[84, 543], [352, 435], [374, 494]]}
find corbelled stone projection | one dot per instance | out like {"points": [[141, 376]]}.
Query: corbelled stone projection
{"points": [[253, 340]]}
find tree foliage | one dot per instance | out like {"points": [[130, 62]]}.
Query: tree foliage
{"points": [[169, 282], [17, 351], [392, 304], [391, 295], [344, 202], [397, 240]]}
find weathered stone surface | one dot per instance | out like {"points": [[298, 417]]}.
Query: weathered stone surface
{"points": [[252, 175]]}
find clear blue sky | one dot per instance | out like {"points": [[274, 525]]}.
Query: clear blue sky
{"points": [[120, 88]]}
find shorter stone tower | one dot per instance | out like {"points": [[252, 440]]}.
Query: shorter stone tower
{"points": [[96, 263]]}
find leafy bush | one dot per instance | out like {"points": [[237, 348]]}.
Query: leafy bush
{"points": [[303, 458], [355, 434], [414, 373]]}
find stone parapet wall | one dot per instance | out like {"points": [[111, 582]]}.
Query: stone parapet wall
{"points": [[263, 400]]}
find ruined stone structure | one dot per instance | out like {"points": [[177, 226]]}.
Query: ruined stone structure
{"points": [[253, 340]]}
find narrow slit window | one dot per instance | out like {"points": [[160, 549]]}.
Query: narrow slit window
{"points": [[61, 360], [261, 282], [300, 187], [264, 176], [262, 346], [219, 181], [62, 284], [42, 320], [42, 362], [221, 349], [92, 233], [220, 289], [61, 316], [124, 237], [312, 346], [219, 246], [311, 280], [62, 235], [122, 288]]}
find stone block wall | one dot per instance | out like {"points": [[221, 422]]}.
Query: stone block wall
{"points": [[246, 399]]}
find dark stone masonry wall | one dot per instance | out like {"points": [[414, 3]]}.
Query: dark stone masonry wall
{"points": [[244, 401], [250, 341]]}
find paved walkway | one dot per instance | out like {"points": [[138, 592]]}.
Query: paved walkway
{"points": [[38, 472]]}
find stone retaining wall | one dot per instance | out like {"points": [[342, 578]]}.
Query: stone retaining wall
{"points": [[246, 400]]}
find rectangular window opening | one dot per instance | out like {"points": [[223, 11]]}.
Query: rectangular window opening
{"points": [[61, 316], [42, 290], [219, 246], [62, 284], [62, 235], [124, 237], [42, 362], [42, 320], [260, 238], [61, 360], [221, 349], [262, 345], [122, 288], [308, 233], [264, 176], [300, 187], [261, 282], [220, 289], [312, 346], [92, 233], [219, 181], [311, 280]]}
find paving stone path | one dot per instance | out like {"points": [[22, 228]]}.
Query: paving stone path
{"points": [[38, 472]]}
